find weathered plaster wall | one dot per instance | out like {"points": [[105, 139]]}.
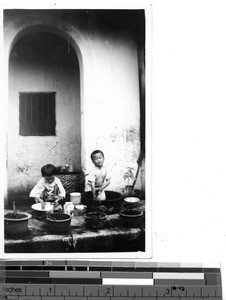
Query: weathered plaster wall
{"points": [[109, 86], [37, 65]]}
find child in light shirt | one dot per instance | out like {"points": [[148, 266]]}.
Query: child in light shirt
{"points": [[49, 188], [98, 177]]}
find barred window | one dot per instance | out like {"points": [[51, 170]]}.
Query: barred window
{"points": [[37, 116]]}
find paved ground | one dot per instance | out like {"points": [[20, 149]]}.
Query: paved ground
{"points": [[114, 236]]}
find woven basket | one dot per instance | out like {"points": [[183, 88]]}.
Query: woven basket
{"points": [[72, 182]]}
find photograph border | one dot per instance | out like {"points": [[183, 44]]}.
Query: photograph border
{"points": [[147, 7]]}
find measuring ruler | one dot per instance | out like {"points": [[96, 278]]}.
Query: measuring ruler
{"points": [[108, 280]]}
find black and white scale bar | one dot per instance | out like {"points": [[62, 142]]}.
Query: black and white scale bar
{"points": [[108, 280], [95, 277]]}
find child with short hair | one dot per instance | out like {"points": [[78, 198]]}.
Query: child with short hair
{"points": [[49, 188], [98, 177]]}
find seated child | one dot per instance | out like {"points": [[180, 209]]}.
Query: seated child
{"points": [[98, 177], [49, 188]]}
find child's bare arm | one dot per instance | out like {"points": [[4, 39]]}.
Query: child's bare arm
{"points": [[62, 192], [107, 182], [39, 200], [58, 198], [93, 189]]}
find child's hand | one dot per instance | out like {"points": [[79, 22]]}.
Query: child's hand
{"points": [[42, 204], [99, 189], [50, 197], [57, 199]]}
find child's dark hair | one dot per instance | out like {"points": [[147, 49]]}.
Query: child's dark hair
{"points": [[48, 170], [96, 152]]}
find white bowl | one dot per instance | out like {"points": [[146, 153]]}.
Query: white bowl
{"points": [[132, 200], [81, 209], [38, 207]]}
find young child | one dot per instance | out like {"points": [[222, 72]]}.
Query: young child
{"points": [[98, 177], [49, 188]]}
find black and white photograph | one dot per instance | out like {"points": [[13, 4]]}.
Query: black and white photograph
{"points": [[76, 134], [113, 149]]}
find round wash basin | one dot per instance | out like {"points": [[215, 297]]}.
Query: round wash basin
{"points": [[112, 202], [39, 212], [38, 207]]}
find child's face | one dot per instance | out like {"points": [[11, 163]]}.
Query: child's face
{"points": [[98, 160], [49, 179]]}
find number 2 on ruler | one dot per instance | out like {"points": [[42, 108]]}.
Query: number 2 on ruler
{"points": [[108, 291]]}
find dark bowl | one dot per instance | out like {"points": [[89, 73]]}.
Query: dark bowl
{"points": [[131, 218], [95, 220], [59, 225], [112, 203]]}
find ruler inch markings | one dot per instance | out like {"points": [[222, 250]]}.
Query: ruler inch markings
{"points": [[189, 292], [179, 282], [67, 289], [211, 291]]}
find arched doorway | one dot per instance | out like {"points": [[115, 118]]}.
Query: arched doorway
{"points": [[42, 64]]}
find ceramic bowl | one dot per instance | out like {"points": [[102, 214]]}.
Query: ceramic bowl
{"points": [[59, 223], [132, 201], [38, 207], [132, 218], [95, 220], [38, 212], [81, 209]]}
